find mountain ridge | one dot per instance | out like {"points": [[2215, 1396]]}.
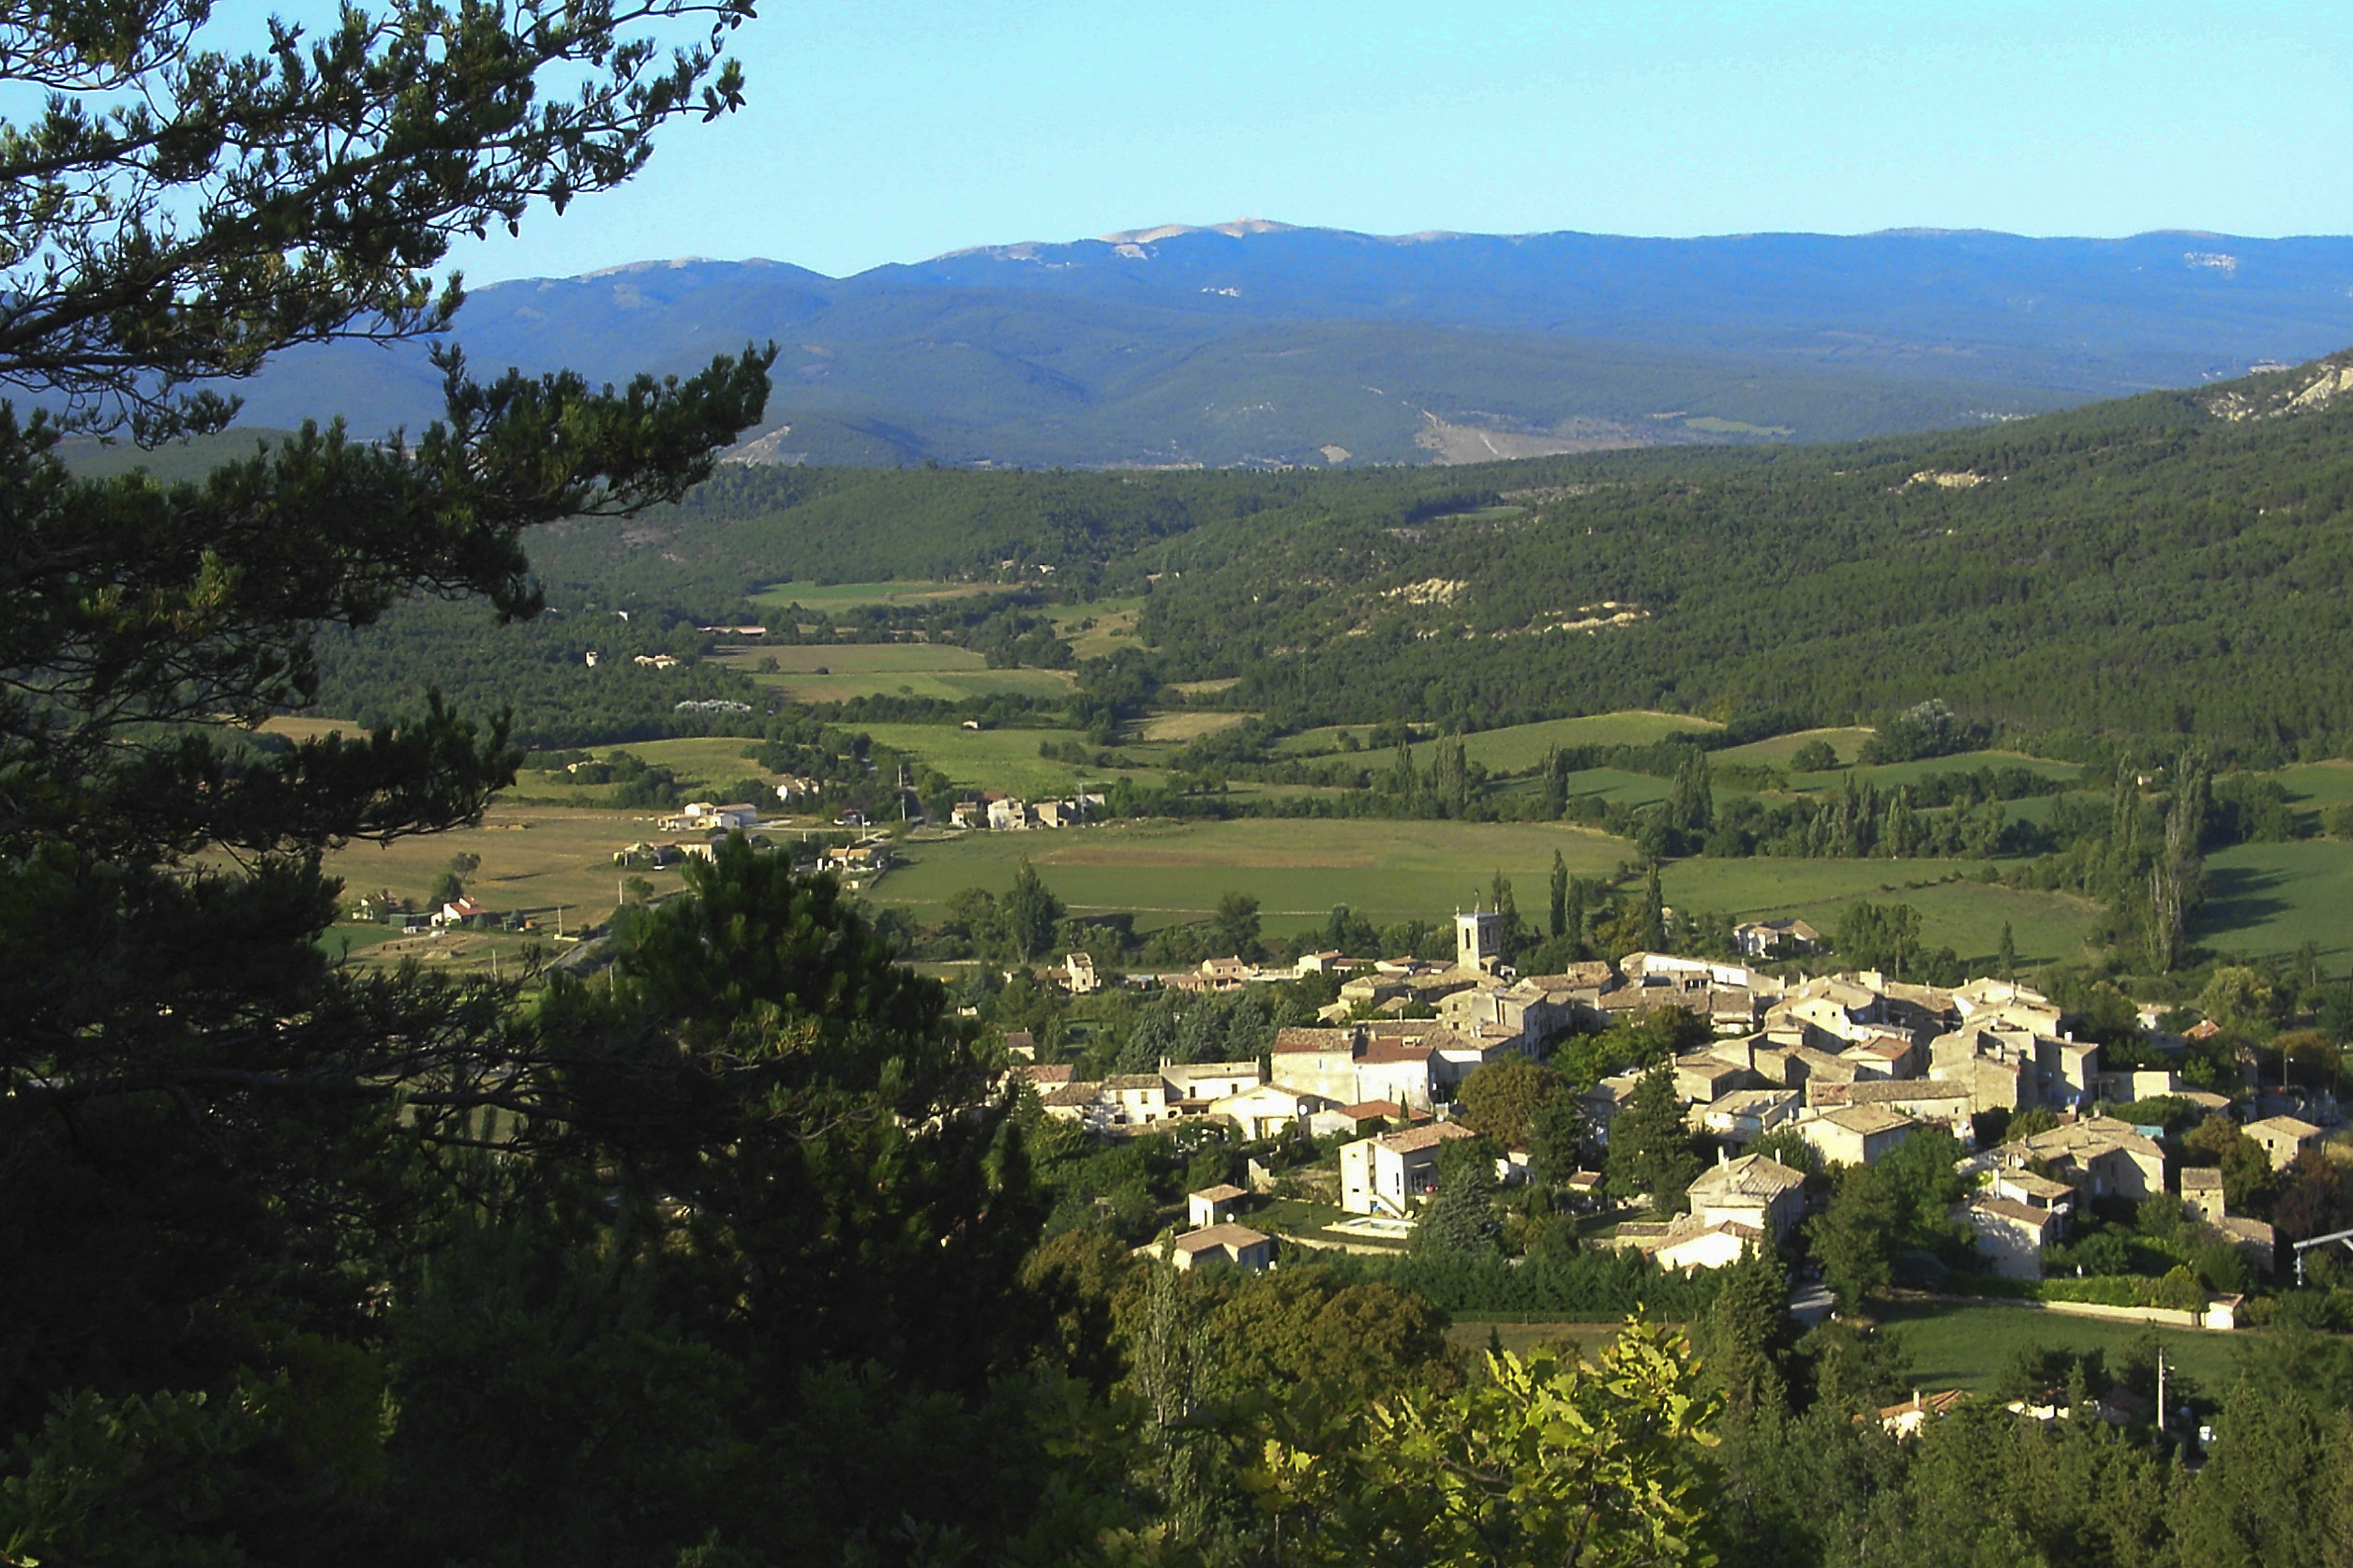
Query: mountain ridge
{"points": [[1256, 343]]}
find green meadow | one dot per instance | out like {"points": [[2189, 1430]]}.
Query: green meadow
{"points": [[1776, 751], [1391, 871], [1520, 746], [1954, 1344], [1169, 872], [1100, 627], [850, 596], [1888, 775], [1005, 759], [836, 673], [2274, 898], [1966, 915]]}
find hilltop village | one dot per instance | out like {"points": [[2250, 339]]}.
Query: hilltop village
{"points": [[1827, 1071]]}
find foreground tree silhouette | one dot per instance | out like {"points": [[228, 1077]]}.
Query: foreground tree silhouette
{"points": [[209, 1138]]}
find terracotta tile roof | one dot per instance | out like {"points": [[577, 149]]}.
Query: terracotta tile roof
{"points": [[1048, 1072], [1898, 1090], [1228, 1234], [2286, 1126], [1749, 1176], [1867, 1119], [1413, 1140], [1075, 1094], [1315, 1039], [1225, 1192], [2011, 1209], [1365, 1109]]}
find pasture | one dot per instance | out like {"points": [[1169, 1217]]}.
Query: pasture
{"points": [[532, 857], [1005, 759], [1776, 751], [2274, 898], [2314, 787], [1522, 747], [1169, 872], [1888, 775], [1959, 1344], [850, 596], [1965, 915], [1187, 725], [1098, 628], [836, 673], [1519, 748]]}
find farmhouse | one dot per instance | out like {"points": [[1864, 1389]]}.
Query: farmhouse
{"points": [[1236, 1245], [2284, 1137], [1372, 1114], [1137, 1100], [700, 816], [1905, 1420], [1208, 1080], [1926, 1100]]}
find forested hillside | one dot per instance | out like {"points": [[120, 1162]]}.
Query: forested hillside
{"points": [[2150, 567]]}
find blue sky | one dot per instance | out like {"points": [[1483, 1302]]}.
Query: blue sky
{"points": [[884, 131]]}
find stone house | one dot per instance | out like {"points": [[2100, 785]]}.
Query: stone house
{"points": [[1745, 1115], [1855, 1135], [1236, 1245], [2099, 1155], [2284, 1137], [2011, 1235], [1755, 1190]]}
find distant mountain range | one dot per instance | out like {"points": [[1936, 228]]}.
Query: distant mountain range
{"points": [[1259, 344]]}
